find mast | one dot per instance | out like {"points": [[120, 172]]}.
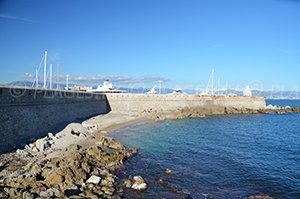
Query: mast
{"points": [[212, 81], [50, 81], [57, 78], [36, 78], [67, 82], [159, 81], [219, 85], [45, 69]]}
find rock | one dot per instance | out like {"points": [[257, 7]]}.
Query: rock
{"points": [[53, 192], [19, 151], [139, 184], [94, 180], [27, 195], [73, 147], [127, 183], [79, 172], [50, 135], [31, 145], [50, 142], [54, 179], [110, 178], [50, 193], [85, 166], [169, 172], [44, 194], [72, 191], [34, 149], [108, 190], [134, 151], [40, 145], [260, 197], [75, 132]]}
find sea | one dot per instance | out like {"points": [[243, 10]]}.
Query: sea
{"points": [[224, 156]]}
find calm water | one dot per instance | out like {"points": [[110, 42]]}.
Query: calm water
{"points": [[230, 156]]}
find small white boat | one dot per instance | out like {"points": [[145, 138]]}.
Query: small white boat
{"points": [[152, 90]]}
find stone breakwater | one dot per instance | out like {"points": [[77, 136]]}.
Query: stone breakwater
{"points": [[173, 106]]}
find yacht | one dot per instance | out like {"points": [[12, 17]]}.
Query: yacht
{"points": [[106, 87]]}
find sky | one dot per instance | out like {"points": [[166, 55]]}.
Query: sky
{"points": [[138, 42]]}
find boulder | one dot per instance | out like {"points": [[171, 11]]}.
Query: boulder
{"points": [[53, 178], [50, 135], [94, 179], [116, 145], [139, 184], [127, 183], [27, 195], [260, 197], [169, 172], [134, 151], [40, 145]]}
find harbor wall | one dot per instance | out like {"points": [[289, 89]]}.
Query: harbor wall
{"points": [[169, 104], [28, 114]]}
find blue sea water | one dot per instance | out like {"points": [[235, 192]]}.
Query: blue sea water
{"points": [[230, 156]]}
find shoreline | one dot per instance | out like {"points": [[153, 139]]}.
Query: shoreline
{"points": [[25, 172]]}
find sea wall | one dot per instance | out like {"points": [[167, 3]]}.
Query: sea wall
{"points": [[28, 114], [176, 105]]}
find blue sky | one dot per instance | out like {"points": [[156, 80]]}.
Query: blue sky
{"points": [[247, 42]]}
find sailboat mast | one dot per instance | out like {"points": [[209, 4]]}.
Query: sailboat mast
{"points": [[67, 82], [45, 69], [50, 81], [212, 81], [36, 78], [57, 78]]}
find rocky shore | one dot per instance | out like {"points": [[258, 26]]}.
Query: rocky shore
{"points": [[78, 162], [81, 162], [195, 113]]}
